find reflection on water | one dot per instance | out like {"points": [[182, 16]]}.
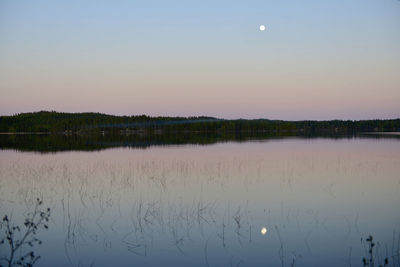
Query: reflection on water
{"points": [[264, 231], [45, 143], [288, 201]]}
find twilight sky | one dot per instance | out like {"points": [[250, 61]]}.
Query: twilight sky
{"points": [[317, 59]]}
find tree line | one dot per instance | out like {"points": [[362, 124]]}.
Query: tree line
{"points": [[58, 122]]}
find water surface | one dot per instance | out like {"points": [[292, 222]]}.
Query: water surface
{"points": [[274, 202]]}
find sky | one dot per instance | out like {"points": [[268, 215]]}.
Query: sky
{"points": [[317, 59]]}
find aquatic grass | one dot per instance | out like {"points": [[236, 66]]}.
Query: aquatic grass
{"points": [[372, 253]]}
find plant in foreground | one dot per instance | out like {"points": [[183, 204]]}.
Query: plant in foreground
{"points": [[16, 238], [370, 259]]}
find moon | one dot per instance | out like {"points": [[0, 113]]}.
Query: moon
{"points": [[262, 28]]}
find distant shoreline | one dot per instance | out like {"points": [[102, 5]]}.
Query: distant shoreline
{"points": [[45, 122], [11, 133], [185, 132], [387, 133]]}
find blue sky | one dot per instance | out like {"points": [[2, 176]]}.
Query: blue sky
{"points": [[316, 60]]}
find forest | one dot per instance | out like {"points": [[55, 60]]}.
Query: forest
{"points": [[86, 123]]}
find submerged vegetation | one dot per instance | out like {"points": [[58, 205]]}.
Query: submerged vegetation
{"points": [[45, 121]]}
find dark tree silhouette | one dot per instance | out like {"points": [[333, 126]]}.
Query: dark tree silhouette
{"points": [[56, 122]]}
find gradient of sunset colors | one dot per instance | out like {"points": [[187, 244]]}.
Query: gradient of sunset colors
{"points": [[317, 59]]}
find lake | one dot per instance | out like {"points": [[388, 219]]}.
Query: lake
{"points": [[266, 202]]}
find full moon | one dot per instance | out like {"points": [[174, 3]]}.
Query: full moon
{"points": [[262, 28]]}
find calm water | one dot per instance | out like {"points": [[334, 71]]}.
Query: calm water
{"points": [[301, 202]]}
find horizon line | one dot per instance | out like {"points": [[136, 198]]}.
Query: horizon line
{"points": [[192, 116]]}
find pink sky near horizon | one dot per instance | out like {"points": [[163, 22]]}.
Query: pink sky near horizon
{"points": [[320, 61]]}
